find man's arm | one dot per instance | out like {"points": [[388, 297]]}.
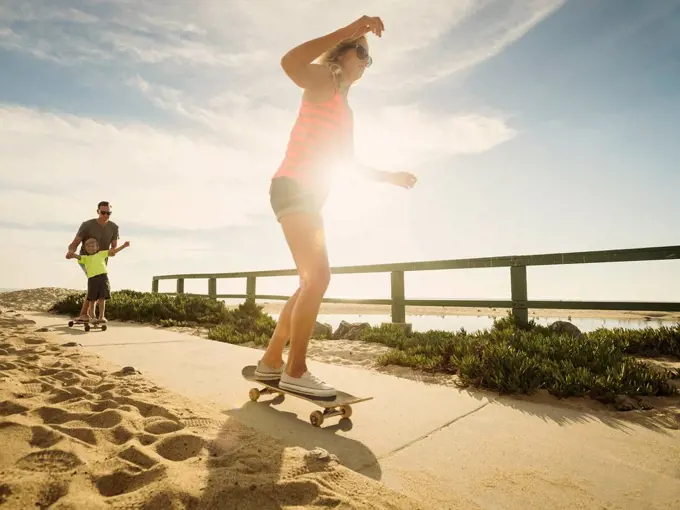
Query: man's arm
{"points": [[77, 239], [114, 239]]}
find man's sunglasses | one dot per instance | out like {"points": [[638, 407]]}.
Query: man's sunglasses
{"points": [[107, 213], [362, 54]]}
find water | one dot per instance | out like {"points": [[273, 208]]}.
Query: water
{"points": [[475, 323]]}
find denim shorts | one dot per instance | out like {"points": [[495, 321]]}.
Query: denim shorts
{"points": [[287, 196]]}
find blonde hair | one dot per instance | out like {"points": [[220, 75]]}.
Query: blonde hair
{"points": [[331, 58]]}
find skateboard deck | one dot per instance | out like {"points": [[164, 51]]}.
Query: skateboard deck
{"points": [[87, 325], [338, 405]]}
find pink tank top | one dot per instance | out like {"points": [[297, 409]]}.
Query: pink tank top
{"points": [[320, 140]]}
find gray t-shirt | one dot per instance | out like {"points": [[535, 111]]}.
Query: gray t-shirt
{"points": [[104, 234]]}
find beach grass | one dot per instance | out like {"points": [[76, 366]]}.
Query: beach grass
{"points": [[506, 358]]}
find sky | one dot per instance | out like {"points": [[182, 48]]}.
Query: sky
{"points": [[533, 126]]}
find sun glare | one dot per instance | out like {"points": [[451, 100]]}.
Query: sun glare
{"points": [[354, 206]]}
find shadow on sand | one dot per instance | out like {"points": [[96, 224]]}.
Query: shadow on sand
{"points": [[351, 453]]}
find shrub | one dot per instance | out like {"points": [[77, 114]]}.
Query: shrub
{"points": [[247, 323], [509, 358], [148, 307]]}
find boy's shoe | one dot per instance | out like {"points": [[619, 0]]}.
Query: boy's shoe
{"points": [[83, 318], [102, 321], [308, 384], [267, 373]]}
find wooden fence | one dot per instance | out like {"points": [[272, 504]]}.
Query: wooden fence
{"points": [[519, 301]]}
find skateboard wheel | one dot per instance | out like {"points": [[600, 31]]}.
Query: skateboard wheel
{"points": [[316, 418], [70, 324], [87, 327], [104, 327], [254, 394], [346, 411]]}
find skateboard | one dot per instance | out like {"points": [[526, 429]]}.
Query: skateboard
{"points": [[339, 405], [87, 325]]}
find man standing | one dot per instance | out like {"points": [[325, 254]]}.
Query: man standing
{"points": [[103, 230]]}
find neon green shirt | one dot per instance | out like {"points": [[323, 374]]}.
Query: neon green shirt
{"points": [[95, 264]]}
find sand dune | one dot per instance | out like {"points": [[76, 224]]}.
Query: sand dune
{"points": [[34, 300], [80, 434]]}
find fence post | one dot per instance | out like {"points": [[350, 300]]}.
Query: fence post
{"points": [[250, 289], [518, 293], [398, 297], [154, 286], [180, 285], [212, 288]]}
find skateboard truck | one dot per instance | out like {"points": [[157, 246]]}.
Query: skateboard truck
{"points": [[316, 418]]}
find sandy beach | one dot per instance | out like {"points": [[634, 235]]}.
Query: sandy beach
{"points": [[81, 434]]}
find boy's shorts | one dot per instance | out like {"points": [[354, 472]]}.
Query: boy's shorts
{"points": [[98, 287]]}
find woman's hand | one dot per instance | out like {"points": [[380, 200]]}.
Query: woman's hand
{"points": [[402, 179], [367, 24]]}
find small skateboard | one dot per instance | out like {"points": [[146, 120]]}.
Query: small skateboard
{"points": [[339, 405], [87, 325]]}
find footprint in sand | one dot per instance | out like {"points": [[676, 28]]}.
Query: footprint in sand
{"points": [[180, 447], [9, 407], [136, 456], [44, 437], [160, 426], [51, 493], [123, 481], [49, 461], [34, 341]]}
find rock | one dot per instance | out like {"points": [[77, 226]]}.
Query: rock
{"points": [[625, 403], [565, 328], [357, 329], [645, 404], [350, 331], [322, 331], [71, 344], [319, 454], [127, 371], [43, 330]]}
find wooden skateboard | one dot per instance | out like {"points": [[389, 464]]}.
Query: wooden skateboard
{"points": [[87, 325], [339, 405]]}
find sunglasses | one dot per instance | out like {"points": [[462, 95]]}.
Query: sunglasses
{"points": [[362, 54], [107, 213]]}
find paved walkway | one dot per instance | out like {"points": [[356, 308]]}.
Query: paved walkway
{"points": [[451, 448]]}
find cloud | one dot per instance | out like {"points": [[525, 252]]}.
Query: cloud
{"points": [[430, 39], [52, 161], [215, 66]]}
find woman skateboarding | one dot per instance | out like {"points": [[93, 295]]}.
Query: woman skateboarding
{"points": [[321, 141]]}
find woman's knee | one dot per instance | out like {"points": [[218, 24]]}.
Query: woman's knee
{"points": [[316, 279]]}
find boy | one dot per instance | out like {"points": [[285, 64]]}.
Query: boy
{"points": [[98, 288]]}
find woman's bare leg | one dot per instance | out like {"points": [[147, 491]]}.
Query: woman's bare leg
{"points": [[305, 235], [273, 356]]}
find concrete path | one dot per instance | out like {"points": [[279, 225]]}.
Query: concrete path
{"points": [[451, 448]]}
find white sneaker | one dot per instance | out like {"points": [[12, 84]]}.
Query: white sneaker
{"points": [[307, 384], [266, 373]]}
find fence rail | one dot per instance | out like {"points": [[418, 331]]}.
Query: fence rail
{"points": [[519, 302]]}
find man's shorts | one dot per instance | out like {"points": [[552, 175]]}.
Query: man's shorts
{"points": [[287, 196], [98, 287]]}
